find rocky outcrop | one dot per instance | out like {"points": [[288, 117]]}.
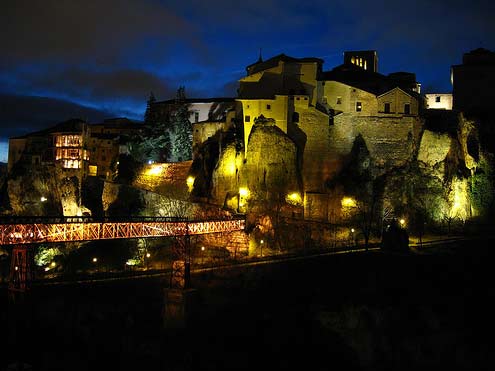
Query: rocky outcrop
{"points": [[44, 190], [271, 162]]}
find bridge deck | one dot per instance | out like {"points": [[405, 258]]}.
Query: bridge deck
{"points": [[73, 230]]}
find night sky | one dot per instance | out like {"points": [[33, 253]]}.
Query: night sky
{"points": [[101, 58]]}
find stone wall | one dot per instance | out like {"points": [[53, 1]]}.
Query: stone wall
{"points": [[163, 176], [391, 142]]}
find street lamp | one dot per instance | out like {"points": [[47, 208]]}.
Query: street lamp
{"points": [[261, 244], [402, 222], [147, 256], [202, 253], [95, 260]]}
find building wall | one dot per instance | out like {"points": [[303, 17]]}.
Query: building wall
{"points": [[308, 75], [397, 100], [349, 96], [317, 163], [206, 129], [473, 87], [16, 148], [102, 153], [439, 101], [276, 109]]}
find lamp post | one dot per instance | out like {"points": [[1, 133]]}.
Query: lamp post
{"points": [[202, 254], [353, 243], [261, 246]]}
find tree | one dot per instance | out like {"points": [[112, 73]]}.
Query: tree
{"points": [[182, 134], [149, 114]]}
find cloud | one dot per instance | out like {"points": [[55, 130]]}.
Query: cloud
{"points": [[20, 115], [100, 31], [97, 86]]}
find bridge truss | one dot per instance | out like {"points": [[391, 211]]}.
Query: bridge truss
{"points": [[15, 234], [27, 232]]}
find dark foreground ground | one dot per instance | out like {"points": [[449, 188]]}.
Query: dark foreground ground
{"points": [[362, 311]]}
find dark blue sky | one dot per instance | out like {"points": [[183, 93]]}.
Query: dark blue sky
{"points": [[109, 54]]}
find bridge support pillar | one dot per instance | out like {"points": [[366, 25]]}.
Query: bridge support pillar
{"points": [[21, 272], [180, 299], [179, 308]]}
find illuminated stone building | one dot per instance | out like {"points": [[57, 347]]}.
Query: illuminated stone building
{"points": [[323, 112], [201, 109], [64, 145], [366, 59], [439, 101], [273, 88], [473, 81], [106, 143], [75, 146]]}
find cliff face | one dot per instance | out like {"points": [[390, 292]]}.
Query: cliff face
{"points": [[45, 190], [271, 161]]}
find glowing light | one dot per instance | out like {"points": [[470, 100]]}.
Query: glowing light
{"points": [[43, 199], [202, 248], [53, 264], [148, 255], [190, 183], [459, 199], [402, 222], [262, 242], [16, 268], [154, 170], [348, 202], [243, 192], [95, 260], [352, 230], [294, 198]]}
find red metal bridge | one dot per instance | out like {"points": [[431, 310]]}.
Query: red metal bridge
{"points": [[22, 232]]}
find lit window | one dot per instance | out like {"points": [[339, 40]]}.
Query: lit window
{"points": [[247, 118], [359, 107]]}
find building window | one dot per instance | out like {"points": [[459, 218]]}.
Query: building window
{"points": [[387, 108], [196, 116], [437, 99], [339, 100], [359, 107], [268, 106], [407, 108], [247, 118]]}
